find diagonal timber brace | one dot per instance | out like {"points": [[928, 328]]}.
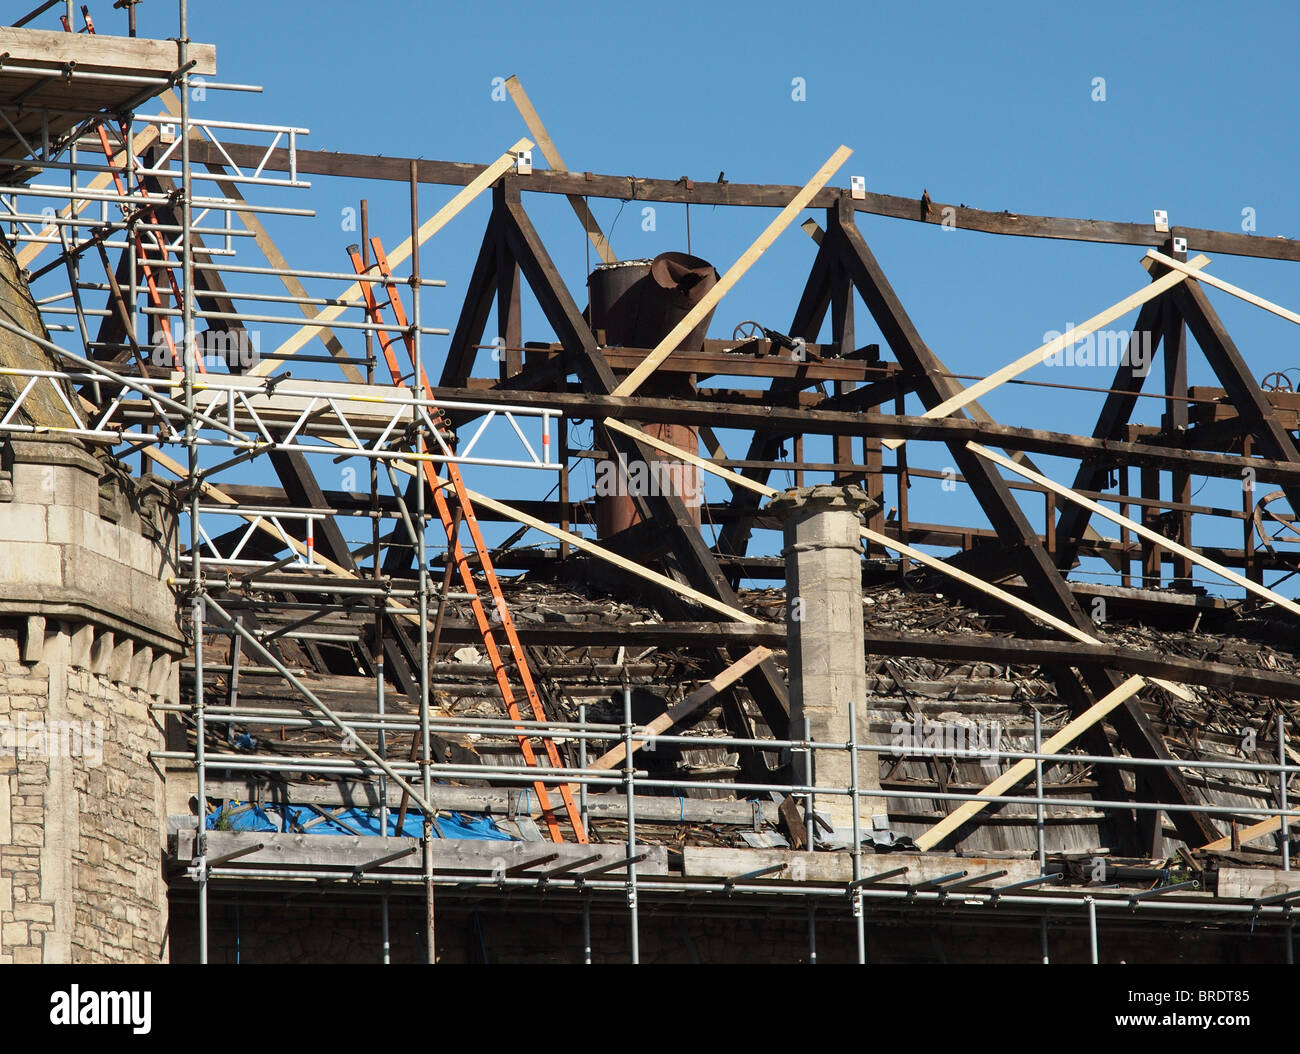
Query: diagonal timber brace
{"points": [[695, 559], [1041, 575]]}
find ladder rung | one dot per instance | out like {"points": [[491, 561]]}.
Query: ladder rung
{"points": [[513, 655]]}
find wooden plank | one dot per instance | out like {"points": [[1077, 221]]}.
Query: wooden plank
{"points": [[480, 291], [101, 53], [1174, 422], [1140, 530], [364, 794], [1246, 835], [599, 551], [1015, 602], [833, 422], [1227, 287], [552, 155], [285, 850], [1255, 883], [712, 443], [140, 142], [509, 309], [734, 273], [1070, 732], [687, 706], [711, 362], [699, 861], [578, 542], [1005, 222], [426, 230], [1042, 354], [697, 561], [344, 852]]}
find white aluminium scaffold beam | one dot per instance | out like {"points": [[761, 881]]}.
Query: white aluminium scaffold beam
{"points": [[427, 230]]}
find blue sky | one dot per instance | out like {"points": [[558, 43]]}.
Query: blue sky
{"points": [[988, 105]]}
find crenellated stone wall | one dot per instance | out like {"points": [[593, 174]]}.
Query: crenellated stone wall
{"points": [[88, 640]]}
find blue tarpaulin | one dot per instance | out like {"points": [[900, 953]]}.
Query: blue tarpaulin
{"points": [[243, 816]]}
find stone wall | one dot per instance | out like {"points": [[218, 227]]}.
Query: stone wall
{"points": [[82, 821], [88, 639], [255, 929]]}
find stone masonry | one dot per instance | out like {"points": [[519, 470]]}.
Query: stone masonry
{"points": [[828, 670], [88, 640]]}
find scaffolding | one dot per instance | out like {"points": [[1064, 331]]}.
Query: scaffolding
{"points": [[224, 407]]}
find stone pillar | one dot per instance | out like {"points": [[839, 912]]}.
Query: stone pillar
{"points": [[88, 640], [823, 555]]}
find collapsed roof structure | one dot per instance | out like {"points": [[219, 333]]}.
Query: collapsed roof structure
{"points": [[402, 689]]}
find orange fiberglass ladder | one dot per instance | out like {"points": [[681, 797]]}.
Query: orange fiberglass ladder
{"points": [[149, 214], [418, 377], [155, 295]]}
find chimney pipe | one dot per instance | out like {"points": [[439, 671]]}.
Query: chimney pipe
{"points": [[635, 304]]}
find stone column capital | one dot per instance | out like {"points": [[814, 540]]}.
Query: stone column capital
{"points": [[799, 502]]}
